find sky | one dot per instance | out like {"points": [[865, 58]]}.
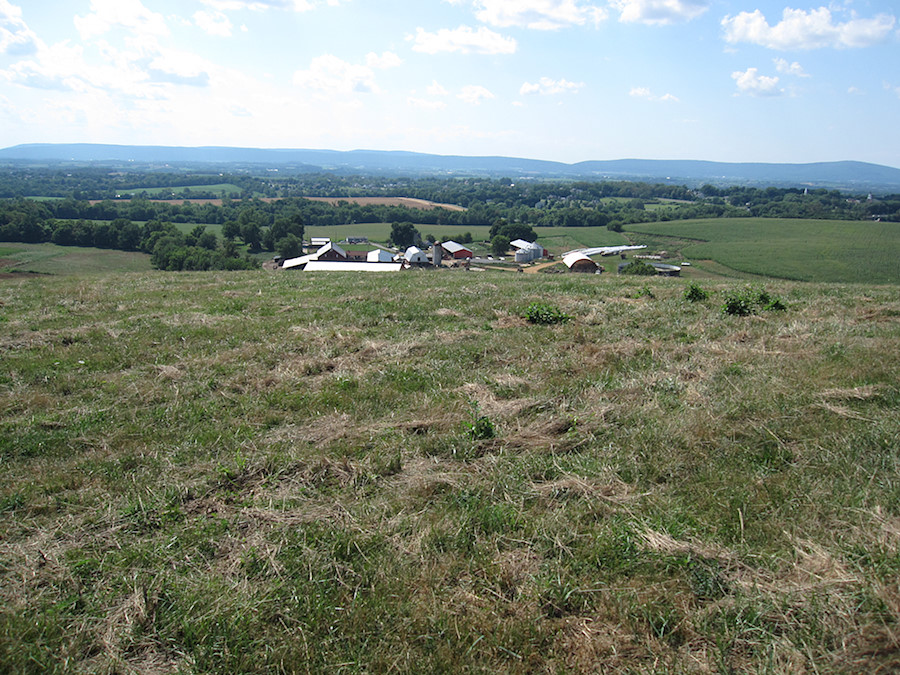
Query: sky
{"points": [[564, 80]]}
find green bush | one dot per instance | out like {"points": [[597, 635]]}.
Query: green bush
{"points": [[748, 300], [542, 313], [693, 293]]}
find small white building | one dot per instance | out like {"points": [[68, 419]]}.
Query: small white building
{"points": [[379, 256], [415, 256]]}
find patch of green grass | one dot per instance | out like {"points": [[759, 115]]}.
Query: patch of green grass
{"points": [[254, 472]]}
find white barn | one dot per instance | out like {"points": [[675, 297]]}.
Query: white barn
{"points": [[415, 256]]}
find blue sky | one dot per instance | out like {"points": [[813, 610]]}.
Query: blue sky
{"points": [[566, 80]]}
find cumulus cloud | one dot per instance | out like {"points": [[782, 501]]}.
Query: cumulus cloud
{"points": [[752, 83], [660, 12], [536, 14], [799, 29], [464, 40], [130, 14], [475, 94], [546, 86], [435, 89], [795, 69], [645, 93], [263, 5], [213, 22], [16, 39], [332, 75]]}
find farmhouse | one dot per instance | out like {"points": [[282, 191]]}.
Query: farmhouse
{"points": [[579, 262], [455, 250], [331, 251], [328, 251]]}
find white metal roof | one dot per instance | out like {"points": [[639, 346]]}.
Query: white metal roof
{"points": [[453, 247], [297, 262], [330, 246], [571, 258], [521, 243], [415, 254], [337, 266]]}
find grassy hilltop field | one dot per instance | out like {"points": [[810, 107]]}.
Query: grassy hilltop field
{"points": [[259, 472]]}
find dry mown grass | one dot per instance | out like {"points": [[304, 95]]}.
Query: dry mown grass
{"points": [[242, 473]]}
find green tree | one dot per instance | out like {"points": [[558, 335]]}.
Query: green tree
{"points": [[290, 246], [404, 235], [499, 245]]}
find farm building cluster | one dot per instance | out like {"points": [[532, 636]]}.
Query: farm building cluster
{"points": [[329, 256]]}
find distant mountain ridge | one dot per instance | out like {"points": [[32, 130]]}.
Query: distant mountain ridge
{"points": [[840, 174]]}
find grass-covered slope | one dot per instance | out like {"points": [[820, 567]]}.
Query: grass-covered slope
{"points": [[249, 472]]}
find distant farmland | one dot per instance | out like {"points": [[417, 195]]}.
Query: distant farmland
{"points": [[803, 250], [410, 202]]}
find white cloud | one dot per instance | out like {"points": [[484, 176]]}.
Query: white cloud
{"points": [[795, 69], [16, 39], [464, 40], [213, 22], [660, 12], [752, 83], [537, 14], [645, 93], [425, 104], [332, 75], [475, 94], [799, 29], [892, 88], [545, 86], [435, 89], [131, 14], [385, 60]]}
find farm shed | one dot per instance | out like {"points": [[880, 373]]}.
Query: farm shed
{"points": [[379, 256], [319, 242], [415, 256], [579, 262], [336, 266], [455, 250]]}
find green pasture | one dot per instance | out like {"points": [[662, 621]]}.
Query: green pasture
{"points": [[70, 260], [218, 189], [803, 250]]}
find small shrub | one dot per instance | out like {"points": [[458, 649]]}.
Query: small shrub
{"points": [[748, 300], [544, 314], [693, 293], [645, 292], [480, 428], [737, 303]]}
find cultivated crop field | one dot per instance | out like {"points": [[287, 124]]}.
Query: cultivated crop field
{"points": [[808, 250], [253, 472]]}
